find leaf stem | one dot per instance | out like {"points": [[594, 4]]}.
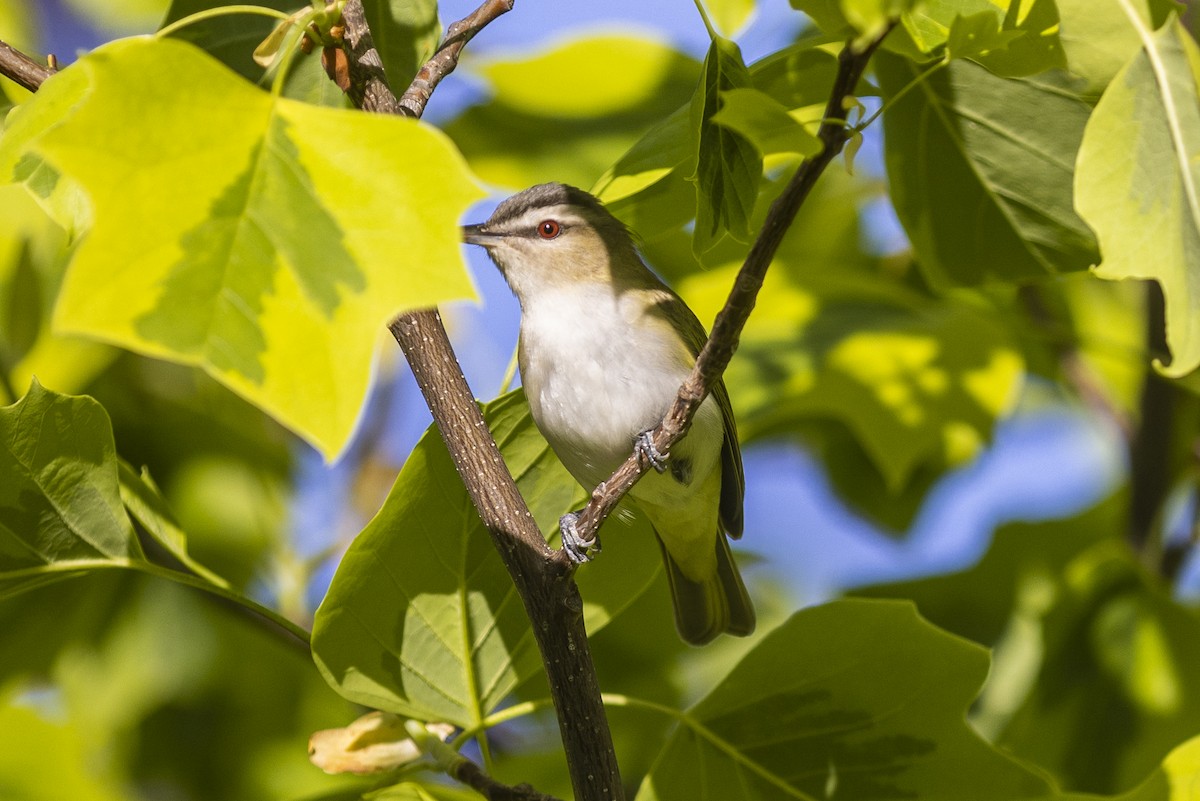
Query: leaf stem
{"points": [[712, 32], [908, 87], [210, 13]]}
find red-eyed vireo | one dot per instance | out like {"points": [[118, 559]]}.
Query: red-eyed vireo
{"points": [[604, 347]]}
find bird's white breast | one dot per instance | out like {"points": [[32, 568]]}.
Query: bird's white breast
{"points": [[597, 371]]}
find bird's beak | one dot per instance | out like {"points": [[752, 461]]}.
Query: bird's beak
{"points": [[477, 235]]}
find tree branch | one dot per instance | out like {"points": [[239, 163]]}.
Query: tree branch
{"points": [[727, 329], [21, 69], [542, 578]]}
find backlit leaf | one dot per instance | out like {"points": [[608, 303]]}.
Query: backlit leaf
{"points": [[854, 699], [1138, 180], [422, 618], [765, 122], [981, 170], [267, 243]]}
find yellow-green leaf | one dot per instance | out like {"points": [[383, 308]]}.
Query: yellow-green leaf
{"points": [[262, 239], [728, 166], [1137, 180]]}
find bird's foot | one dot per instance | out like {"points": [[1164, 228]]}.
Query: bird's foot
{"points": [[578, 549], [644, 447]]}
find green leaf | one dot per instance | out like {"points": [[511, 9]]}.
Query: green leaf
{"points": [[854, 699], [405, 33], [264, 240], [1114, 647], [647, 187], [915, 381], [422, 619], [729, 16], [1138, 180], [527, 133], [728, 166], [765, 123], [1099, 39], [866, 19], [1027, 28], [977, 35], [146, 504], [61, 197], [981, 170], [59, 498], [43, 759], [1175, 780]]}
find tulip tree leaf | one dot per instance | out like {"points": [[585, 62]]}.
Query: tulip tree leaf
{"points": [[1098, 38], [765, 122], [728, 166], [262, 239], [854, 699], [914, 381], [60, 504], [422, 618], [981, 169], [1138, 180]]}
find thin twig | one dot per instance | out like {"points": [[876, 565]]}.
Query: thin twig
{"points": [[542, 578], [727, 329], [22, 69]]}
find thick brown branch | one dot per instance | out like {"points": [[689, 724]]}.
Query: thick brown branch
{"points": [[723, 340], [542, 578], [21, 69]]}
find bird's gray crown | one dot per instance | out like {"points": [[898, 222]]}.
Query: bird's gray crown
{"points": [[545, 196]]}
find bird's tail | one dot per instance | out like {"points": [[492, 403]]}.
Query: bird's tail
{"points": [[704, 609]]}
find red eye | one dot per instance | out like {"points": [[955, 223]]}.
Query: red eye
{"points": [[548, 229]]}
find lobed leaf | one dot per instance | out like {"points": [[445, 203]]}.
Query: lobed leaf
{"points": [[1098, 38], [981, 168], [266, 241], [1137, 181], [765, 123], [854, 699], [422, 618]]}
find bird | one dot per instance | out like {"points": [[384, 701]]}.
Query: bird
{"points": [[604, 346]]}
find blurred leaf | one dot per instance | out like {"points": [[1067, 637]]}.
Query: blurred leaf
{"points": [[914, 380], [730, 16], [412, 790], [765, 123], [606, 92], [120, 17], [422, 619], [1175, 780], [981, 169], [854, 699], [1099, 39], [866, 19], [1138, 180], [727, 167], [1116, 648], [405, 33], [59, 500], [252, 249], [43, 759]]}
